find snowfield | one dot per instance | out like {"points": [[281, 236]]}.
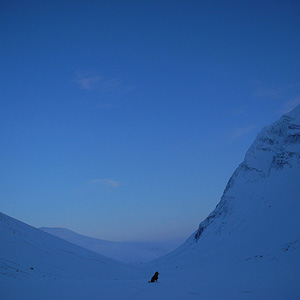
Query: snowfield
{"points": [[253, 280], [247, 248]]}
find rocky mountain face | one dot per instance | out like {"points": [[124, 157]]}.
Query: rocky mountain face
{"points": [[276, 150], [258, 215]]}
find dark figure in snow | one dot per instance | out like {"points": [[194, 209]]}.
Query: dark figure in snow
{"points": [[154, 277]]}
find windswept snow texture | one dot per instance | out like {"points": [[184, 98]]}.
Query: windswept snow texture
{"points": [[28, 252], [127, 252]]}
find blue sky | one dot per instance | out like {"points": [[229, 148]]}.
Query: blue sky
{"points": [[124, 120]]}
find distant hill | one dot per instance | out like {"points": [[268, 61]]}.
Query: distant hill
{"points": [[128, 252]]}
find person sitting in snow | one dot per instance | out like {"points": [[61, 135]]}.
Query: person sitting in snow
{"points": [[154, 277]]}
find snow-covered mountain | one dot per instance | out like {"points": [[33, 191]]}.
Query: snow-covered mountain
{"points": [[27, 251], [247, 248], [257, 219], [128, 252]]}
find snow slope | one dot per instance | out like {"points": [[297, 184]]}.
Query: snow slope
{"points": [[253, 235], [27, 251], [127, 252]]}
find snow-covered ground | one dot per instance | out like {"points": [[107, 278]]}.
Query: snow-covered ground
{"points": [[247, 248], [127, 252], [205, 280]]}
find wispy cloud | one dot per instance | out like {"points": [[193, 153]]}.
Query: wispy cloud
{"points": [[106, 105], [107, 182], [281, 93], [93, 81], [88, 80], [238, 111], [242, 131], [289, 105], [273, 92]]}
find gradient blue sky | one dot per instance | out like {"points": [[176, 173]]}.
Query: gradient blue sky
{"points": [[124, 120]]}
